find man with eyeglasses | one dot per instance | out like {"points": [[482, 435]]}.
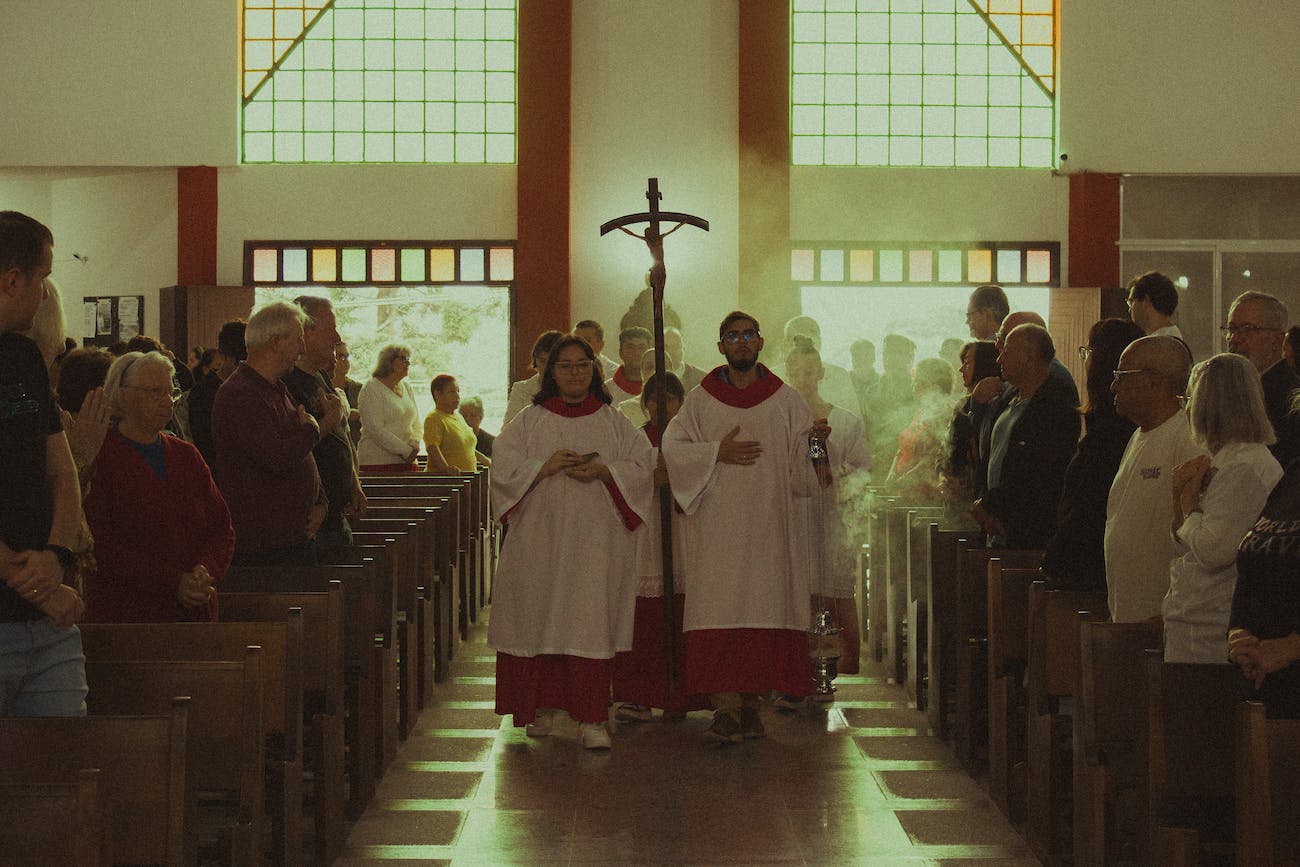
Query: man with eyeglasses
{"points": [[1256, 329], [1152, 300], [625, 382], [987, 308], [737, 454], [1148, 384]]}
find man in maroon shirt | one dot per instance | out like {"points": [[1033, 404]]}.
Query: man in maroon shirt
{"points": [[264, 443]]}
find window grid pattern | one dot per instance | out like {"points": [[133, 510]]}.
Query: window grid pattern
{"points": [[383, 263], [1021, 263], [923, 83], [379, 81]]}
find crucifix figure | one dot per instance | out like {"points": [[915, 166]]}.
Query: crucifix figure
{"points": [[654, 240]]}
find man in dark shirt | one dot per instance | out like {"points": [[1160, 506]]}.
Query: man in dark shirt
{"points": [[309, 387], [42, 670], [471, 409], [1256, 329], [230, 351], [264, 446]]}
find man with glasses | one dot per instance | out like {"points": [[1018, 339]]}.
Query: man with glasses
{"points": [[1152, 300], [737, 453], [987, 307], [1148, 386], [1256, 329]]}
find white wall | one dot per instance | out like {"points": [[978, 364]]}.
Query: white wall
{"points": [[655, 95]]}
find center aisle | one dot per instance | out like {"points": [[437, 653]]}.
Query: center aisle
{"points": [[860, 784]]}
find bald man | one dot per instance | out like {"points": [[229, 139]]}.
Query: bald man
{"points": [[1032, 443], [1151, 376]]}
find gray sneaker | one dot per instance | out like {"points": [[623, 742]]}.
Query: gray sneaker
{"points": [[725, 728]]}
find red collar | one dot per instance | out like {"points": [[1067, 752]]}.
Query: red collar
{"points": [[652, 433], [767, 384], [632, 388], [590, 404]]}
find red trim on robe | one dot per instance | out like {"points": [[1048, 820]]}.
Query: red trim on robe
{"points": [[640, 675], [621, 380], [652, 433], [575, 684], [631, 519], [589, 404], [767, 384], [748, 660]]}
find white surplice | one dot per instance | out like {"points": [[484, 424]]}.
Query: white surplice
{"points": [[565, 583], [740, 551]]}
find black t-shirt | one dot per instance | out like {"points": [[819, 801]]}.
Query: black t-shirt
{"points": [[28, 416], [334, 452], [1267, 597]]}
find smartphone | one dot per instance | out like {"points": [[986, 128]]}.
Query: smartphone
{"points": [[588, 457]]}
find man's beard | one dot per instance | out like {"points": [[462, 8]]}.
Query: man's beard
{"points": [[742, 364]]}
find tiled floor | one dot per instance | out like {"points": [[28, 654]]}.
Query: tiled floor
{"points": [[860, 784]]}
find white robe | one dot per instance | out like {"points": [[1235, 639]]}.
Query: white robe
{"points": [[649, 554], [740, 551], [521, 395], [563, 583]]}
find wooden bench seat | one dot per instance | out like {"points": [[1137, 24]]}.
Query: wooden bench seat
{"points": [[56, 824], [1268, 768]]}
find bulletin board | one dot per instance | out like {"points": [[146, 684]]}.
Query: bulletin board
{"points": [[110, 318]]}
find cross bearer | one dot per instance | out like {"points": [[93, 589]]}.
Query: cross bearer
{"points": [[737, 453]]}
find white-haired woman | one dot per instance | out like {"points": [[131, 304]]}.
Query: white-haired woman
{"points": [[1217, 499], [162, 530], [390, 432]]}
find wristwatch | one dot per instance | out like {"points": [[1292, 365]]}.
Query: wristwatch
{"points": [[66, 558]]}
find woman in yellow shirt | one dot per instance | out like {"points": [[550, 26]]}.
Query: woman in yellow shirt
{"points": [[449, 439]]}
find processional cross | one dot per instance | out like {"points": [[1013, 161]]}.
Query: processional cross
{"points": [[654, 240]]}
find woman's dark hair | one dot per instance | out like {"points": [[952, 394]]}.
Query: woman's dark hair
{"points": [[986, 359], [672, 387], [82, 371], [1107, 339], [545, 342], [549, 387]]}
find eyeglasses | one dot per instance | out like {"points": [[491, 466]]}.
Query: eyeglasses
{"points": [[405, 358], [572, 366], [1230, 330], [749, 335], [342, 357], [1084, 352], [1120, 374], [158, 393]]}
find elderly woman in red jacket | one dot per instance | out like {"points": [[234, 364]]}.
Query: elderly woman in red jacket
{"points": [[162, 531]]}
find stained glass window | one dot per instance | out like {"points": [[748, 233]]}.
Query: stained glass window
{"points": [[923, 82], [379, 81]]}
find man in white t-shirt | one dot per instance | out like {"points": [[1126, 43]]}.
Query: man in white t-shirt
{"points": [[1152, 300], [1149, 382]]}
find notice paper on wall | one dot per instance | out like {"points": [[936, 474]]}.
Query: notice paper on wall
{"points": [[128, 317], [88, 318]]}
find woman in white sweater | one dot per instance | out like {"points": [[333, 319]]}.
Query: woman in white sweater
{"points": [[390, 433], [1217, 499]]}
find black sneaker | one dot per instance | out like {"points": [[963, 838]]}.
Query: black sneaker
{"points": [[751, 724], [725, 728]]}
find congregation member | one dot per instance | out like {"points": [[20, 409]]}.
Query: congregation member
{"points": [[201, 398], [634, 407], [688, 373], [1075, 557], [891, 402], [471, 409], [836, 384], [950, 351], [350, 388], [265, 469], [626, 380], [450, 441], [737, 453], [1032, 442], [862, 373], [985, 311], [310, 387], [1147, 382], [1152, 300], [962, 471], [640, 675], [594, 333], [1264, 624], [915, 470], [1217, 499], [572, 480], [522, 392], [48, 330], [835, 507], [163, 537], [42, 669], [1256, 329], [390, 436], [83, 407]]}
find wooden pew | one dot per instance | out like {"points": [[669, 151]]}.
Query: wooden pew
{"points": [[875, 614], [1110, 716], [916, 567], [226, 739], [437, 518], [281, 667], [56, 824], [1052, 677], [1008, 657], [324, 707], [899, 629], [141, 760], [1191, 759], [1268, 766], [941, 652], [369, 676]]}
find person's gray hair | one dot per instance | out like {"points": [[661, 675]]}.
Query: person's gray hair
{"points": [[125, 370], [48, 330], [1274, 310], [384, 365], [313, 306], [1225, 403], [475, 402], [274, 320]]}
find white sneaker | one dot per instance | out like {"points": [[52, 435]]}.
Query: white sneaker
{"points": [[593, 736], [540, 727]]}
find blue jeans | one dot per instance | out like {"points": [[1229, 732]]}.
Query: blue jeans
{"points": [[42, 670]]}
